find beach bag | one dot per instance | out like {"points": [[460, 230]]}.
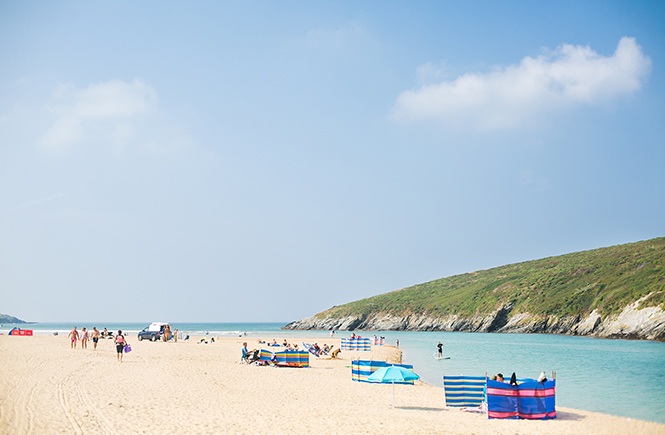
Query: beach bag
{"points": [[127, 348]]}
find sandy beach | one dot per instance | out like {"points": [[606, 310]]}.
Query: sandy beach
{"points": [[188, 387]]}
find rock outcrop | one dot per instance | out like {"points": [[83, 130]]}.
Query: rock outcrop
{"points": [[632, 323]]}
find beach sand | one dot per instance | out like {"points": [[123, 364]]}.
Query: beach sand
{"points": [[192, 388]]}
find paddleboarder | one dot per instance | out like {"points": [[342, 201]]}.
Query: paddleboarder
{"points": [[439, 347]]}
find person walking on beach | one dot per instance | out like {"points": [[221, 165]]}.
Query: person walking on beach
{"points": [[73, 336], [84, 338], [95, 337], [120, 343]]}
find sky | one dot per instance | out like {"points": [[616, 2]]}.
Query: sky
{"points": [[264, 161]]}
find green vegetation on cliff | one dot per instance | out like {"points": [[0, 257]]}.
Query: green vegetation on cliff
{"points": [[5, 318], [605, 279]]}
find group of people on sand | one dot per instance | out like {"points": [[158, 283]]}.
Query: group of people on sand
{"points": [[513, 378], [167, 334], [315, 349], [83, 336]]}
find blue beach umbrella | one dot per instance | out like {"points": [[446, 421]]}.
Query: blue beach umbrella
{"points": [[392, 374]]}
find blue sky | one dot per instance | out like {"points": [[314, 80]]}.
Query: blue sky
{"points": [[216, 161]]}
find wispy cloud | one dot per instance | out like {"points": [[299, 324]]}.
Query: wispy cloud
{"points": [[511, 96], [36, 202], [107, 106]]}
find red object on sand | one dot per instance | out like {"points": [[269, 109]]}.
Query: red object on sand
{"points": [[20, 332]]}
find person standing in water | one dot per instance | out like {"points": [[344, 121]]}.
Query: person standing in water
{"points": [[439, 347]]}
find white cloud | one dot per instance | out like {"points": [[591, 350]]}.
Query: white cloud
{"points": [[430, 72], [106, 108], [512, 96]]}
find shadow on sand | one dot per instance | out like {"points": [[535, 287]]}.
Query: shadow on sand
{"points": [[419, 408], [569, 416]]}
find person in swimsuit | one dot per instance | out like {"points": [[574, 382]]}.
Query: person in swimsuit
{"points": [[73, 336], [440, 349], [84, 338], [95, 337], [120, 343]]}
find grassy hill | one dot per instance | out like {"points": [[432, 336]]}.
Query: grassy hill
{"points": [[6, 318], [605, 279]]}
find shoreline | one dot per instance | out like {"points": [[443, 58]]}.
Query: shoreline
{"points": [[191, 387]]}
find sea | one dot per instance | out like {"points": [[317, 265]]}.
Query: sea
{"points": [[619, 377]]}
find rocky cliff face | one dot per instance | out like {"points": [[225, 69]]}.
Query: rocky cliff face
{"points": [[632, 322]]}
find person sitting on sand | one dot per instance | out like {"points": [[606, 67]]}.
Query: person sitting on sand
{"points": [[513, 379], [499, 377], [285, 343], [73, 336], [246, 353], [274, 342]]}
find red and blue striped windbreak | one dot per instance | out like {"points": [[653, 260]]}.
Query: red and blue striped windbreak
{"points": [[360, 370], [464, 390], [530, 399]]}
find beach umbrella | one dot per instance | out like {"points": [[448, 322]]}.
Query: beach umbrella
{"points": [[392, 374]]}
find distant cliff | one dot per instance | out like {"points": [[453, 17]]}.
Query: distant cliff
{"points": [[4, 318], [615, 292]]}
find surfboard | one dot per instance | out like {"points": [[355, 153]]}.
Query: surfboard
{"points": [[435, 356]]}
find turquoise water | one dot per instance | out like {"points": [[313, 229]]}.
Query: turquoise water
{"points": [[618, 377]]}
